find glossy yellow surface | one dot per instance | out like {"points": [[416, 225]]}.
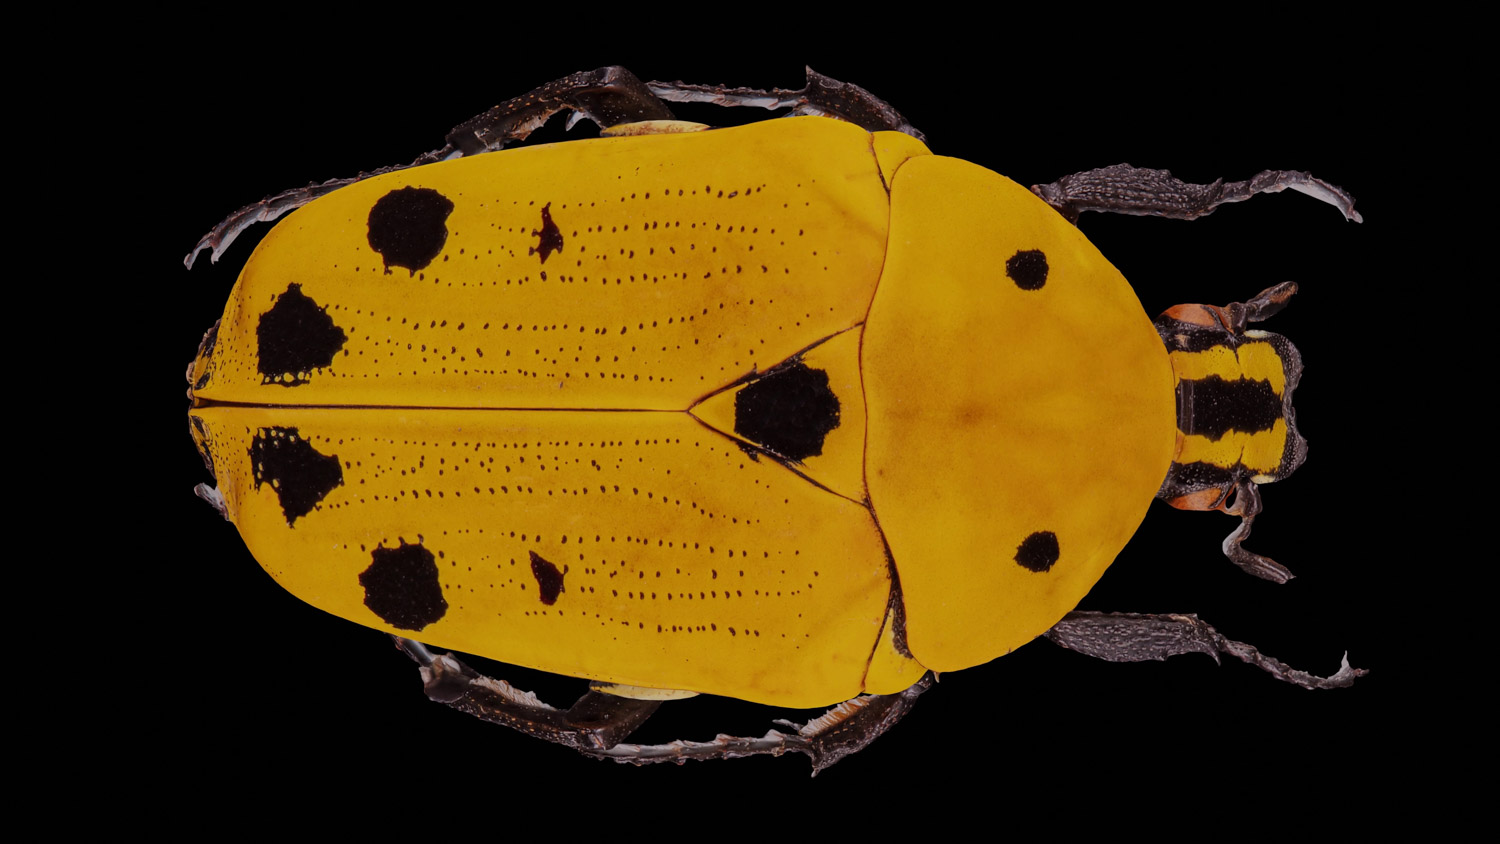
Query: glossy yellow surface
{"points": [[685, 564], [997, 412], [686, 262], [550, 414]]}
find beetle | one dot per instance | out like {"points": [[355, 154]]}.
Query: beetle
{"points": [[789, 416]]}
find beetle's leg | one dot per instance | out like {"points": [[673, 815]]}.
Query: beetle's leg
{"points": [[1123, 189], [607, 96], [1133, 637], [822, 95], [841, 731], [220, 236], [595, 723], [1246, 505], [1266, 304], [598, 722]]}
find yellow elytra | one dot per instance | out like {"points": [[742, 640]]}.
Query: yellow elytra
{"points": [[533, 427]]}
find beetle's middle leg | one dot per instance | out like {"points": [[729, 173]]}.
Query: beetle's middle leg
{"points": [[599, 722], [1123, 189], [1133, 637], [822, 96]]}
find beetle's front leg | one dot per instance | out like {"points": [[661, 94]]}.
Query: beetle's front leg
{"points": [[1123, 189], [598, 723], [1247, 506], [1135, 637]]}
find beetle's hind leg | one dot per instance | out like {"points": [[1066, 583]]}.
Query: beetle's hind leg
{"points": [[1133, 637], [1123, 189], [598, 723]]}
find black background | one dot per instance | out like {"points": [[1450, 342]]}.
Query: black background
{"points": [[230, 674]]}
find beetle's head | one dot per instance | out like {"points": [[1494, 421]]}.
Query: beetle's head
{"points": [[1236, 427]]}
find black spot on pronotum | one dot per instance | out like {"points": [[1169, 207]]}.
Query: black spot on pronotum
{"points": [[401, 586], [300, 474], [408, 227], [295, 337], [549, 579], [789, 411], [1038, 551], [1028, 269], [549, 237]]}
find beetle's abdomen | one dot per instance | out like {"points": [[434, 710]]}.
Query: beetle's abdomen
{"points": [[1020, 411], [633, 273]]}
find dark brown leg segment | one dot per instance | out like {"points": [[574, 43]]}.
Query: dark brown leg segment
{"points": [[598, 723], [1247, 506], [607, 96], [821, 95], [595, 723], [1132, 637], [1123, 189]]}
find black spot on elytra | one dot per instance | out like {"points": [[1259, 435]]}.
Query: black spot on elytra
{"points": [[1028, 269], [295, 337], [401, 586], [300, 474], [549, 239], [1038, 551], [549, 580], [1213, 406], [789, 411], [408, 227]]}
